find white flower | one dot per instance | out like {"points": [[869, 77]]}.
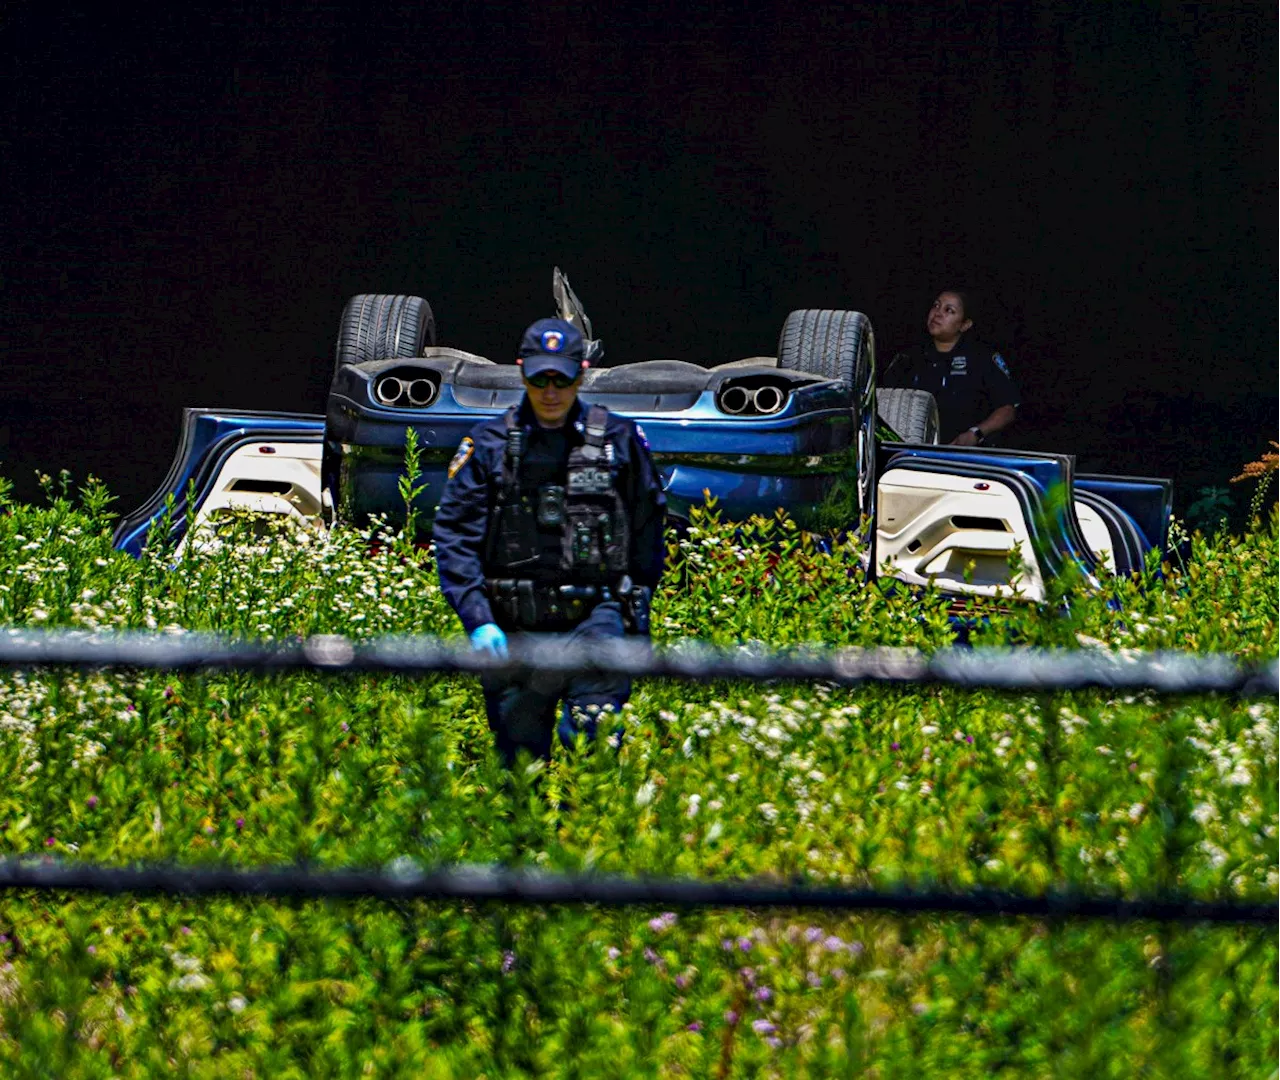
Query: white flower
{"points": [[645, 793], [1135, 811], [1030, 765], [1240, 776], [194, 981], [768, 811], [929, 729], [694, 802], [714, 832], [1204, 813], [993, 864], [236, 1004]]}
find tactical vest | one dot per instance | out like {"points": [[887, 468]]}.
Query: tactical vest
{"points": [[589, 510]]}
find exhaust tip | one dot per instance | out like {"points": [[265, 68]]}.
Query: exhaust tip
{"points": [[422, 392], [735, 400], [388, 390], [769, 399]]}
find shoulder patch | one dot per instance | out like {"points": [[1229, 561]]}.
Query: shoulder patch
{"points": [[641, 436], [465, 449], [998, 360]]}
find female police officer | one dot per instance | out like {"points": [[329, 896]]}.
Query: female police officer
{"points": [[551, 520], [976, 395]]}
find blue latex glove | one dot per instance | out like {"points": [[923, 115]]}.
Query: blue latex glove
{"points": [[489, 638]]}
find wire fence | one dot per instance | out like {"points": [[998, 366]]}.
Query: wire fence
{"points": [[404, 880], [1011, 669], [1165, 674]]}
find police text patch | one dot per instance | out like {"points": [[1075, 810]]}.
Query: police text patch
{"points": [[465, 449], [590, 480]]}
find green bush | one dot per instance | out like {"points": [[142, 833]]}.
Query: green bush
{"points": [[1122, 794]]}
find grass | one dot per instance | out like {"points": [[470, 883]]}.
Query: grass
{"points": [[1120, 794]]}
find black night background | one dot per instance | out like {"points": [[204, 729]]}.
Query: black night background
{"points": [[191, 194]]}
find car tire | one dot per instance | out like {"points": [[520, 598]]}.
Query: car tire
{"points": [[913, 414], [376, 326], [833, 344]]}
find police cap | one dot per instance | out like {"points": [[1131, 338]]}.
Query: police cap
{"points": [[552, 345]]}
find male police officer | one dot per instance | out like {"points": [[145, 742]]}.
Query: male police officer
{"points": [[551, 520]]}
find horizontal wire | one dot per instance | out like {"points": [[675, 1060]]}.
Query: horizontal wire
{"points": [[1013, 669], [404, 880]]}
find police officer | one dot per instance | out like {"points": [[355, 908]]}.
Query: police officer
{"points": [[977, 398], [551, 520]]}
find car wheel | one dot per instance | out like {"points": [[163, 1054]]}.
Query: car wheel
{"points": [[833, 344], [913, 414], [377, 326]]}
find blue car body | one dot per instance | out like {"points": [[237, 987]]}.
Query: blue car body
{"points": [[800, 433]]}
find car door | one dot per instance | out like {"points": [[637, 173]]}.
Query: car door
{"points": [[977, 520], [265, 461]]}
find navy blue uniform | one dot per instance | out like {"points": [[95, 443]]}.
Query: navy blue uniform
{"points": [[970, 382], [468, 538]]}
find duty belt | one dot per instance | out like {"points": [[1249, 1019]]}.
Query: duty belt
{"points": [[533, 604]]}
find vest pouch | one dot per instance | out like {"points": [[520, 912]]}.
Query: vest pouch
{"points": [[516, 535]]}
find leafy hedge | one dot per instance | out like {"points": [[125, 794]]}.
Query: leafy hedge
{"points": [[1125, 794]]}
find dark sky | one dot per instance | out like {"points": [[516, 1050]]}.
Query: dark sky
{"points": [[190, 195]]}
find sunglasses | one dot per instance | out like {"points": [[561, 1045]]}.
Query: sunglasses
{"points": [[547, 378]]}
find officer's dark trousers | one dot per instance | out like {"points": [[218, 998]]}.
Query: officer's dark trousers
{"points": [[522, 712]]}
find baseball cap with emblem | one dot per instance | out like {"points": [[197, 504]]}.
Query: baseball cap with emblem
{"points": [[552, 345]]}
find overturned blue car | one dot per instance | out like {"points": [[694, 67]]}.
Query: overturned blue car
{"points": [[804, 430]]}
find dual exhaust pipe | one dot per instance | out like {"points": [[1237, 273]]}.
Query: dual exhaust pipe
{"points": [[419, 393], [766, 399]]}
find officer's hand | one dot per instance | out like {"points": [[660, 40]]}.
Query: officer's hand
{"points": [[489, 638], [965, 438]]}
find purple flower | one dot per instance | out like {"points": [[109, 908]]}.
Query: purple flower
{"points": [[92, 950], [91, 802], [662, 922], [239, 823], [763, 994], [833, 944], [613, 953], [49, 841], [186, 931], [4, 938], [744, 943], [815, 980], [683, 981], [508, 962], [855, 947], [695, 1026], [168, 691], [653, 958], [344, 726], [726, 944], [814, 933], [130, 708], [837, 973], [773, 1041], [969, 739], [919, 1008], [209, 830], [763, 1027], [894, 746], [730, 1017]]}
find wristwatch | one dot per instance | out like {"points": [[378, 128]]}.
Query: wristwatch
{"points": [[977, 431]]}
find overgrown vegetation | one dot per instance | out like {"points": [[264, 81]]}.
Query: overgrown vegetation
{"points": [[1130, 795]]}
